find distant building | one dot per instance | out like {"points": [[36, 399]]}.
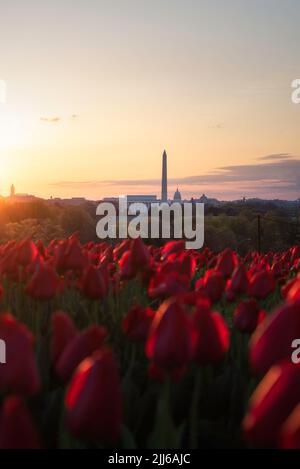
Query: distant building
{"points": [[203, 199], [144, 198], [24, 198], [131, 199], [208, 201], [71, 201], [77, 200], [13, 197], [177, 196]]}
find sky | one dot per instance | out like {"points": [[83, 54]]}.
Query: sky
{"points": [[96, 90]]}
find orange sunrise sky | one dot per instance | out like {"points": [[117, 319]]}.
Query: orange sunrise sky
{"points": [[96, 90]]}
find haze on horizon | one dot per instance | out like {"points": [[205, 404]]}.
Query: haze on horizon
{"points": [[96, 90]]}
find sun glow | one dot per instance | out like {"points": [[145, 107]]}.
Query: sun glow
{"points": [[12, 131]]}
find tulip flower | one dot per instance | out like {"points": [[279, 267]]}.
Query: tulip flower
{"points": [[261, 284], [295, 253], [288, 286], [277, 269], [63, 331], [9, 264], [239, 280], [213, 284], [59, 250], [169, 343], [26, 252], [171, 247], [120, 249], [184, 263], [126, 266], [272, 340], [77, 349], [226, 262], [293, 293], [93, 400], [165, 285], [290, 431], [135, 260], [230, 295], [137, 322], [271, 404], [93, 284], [247, 316], [210, 335], [19, 374], [44, 283], [17, 428], [140, 255], [74, 257]]}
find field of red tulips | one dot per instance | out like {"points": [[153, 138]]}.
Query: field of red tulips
{"points": [[135, 346]]}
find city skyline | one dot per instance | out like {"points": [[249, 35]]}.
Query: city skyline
{"points": [[94, 93]]}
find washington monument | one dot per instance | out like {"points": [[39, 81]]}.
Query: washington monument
{"points": [[164, 184]]}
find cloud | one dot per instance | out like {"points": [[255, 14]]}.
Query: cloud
{"points": [[276, 177], [219, 125], [276, 156], [55, 119], [50, 119]]}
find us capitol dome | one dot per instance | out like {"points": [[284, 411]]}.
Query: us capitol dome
{"points": [[177, 196]]}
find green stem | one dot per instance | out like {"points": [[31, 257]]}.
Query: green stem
{"points": [[194, 411]]}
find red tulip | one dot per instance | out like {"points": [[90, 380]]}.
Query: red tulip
{"points": [[247, 316], [9, 264], [137, 322], [290, 431], [135, 260], [230, 295], [213, 284], [140, 254], [261, 284], [293, 294], [210, 336], [171, 247], [17, 429], [295, 253], [59, 251], [63, 331], [193, 298], [183, 263], [165, 285], [93, 400], [272, 340], [74, 257], [27, 252], [271, 404], [19, 374], [226, 262], [44, 283], [126, 267], [120, 249], [169, 342], [239, 280], [80, 347], [40, 247], [277, 269], [93, 284], [285, 289]]}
